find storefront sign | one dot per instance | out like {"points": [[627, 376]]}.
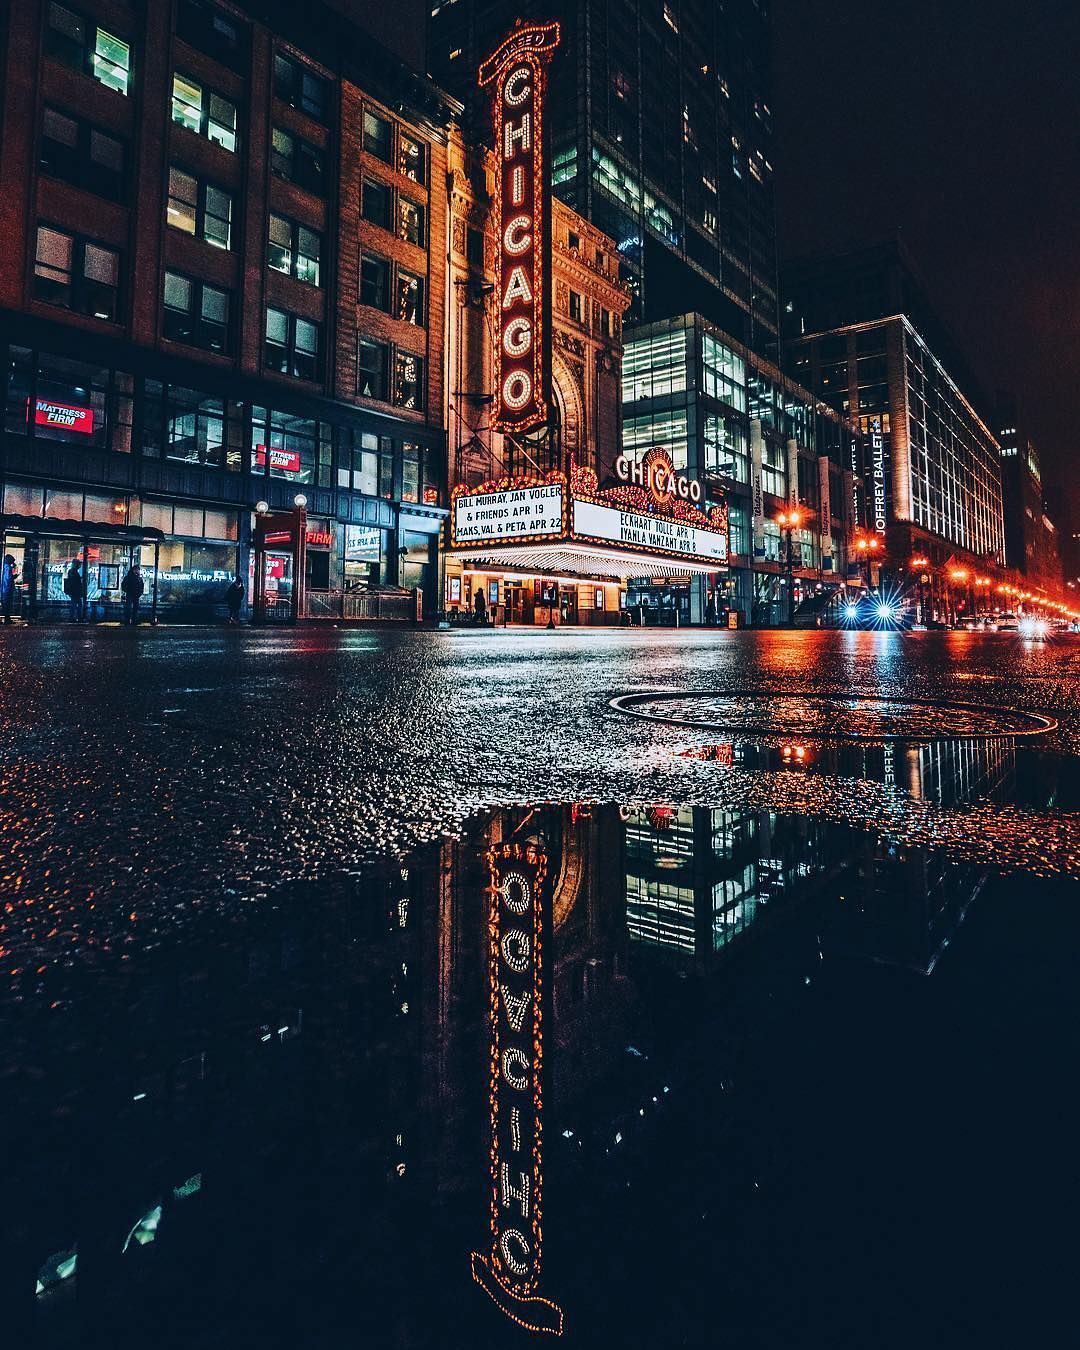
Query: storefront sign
{"points": [[320, 538], [286, 460], [656, 474], [652, 533], [362, 544], [510, 1271], [65, 416], [516, 74], [534, 512]]}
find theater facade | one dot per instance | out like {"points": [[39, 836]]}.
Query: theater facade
{"points": [[549, 519]]}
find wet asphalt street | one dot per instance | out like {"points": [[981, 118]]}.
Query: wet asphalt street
{"points": [[150, 777]]}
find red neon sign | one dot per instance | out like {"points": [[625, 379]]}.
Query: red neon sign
{"points": [[65, 416], [320, 538], [517, 74], [289, 460]]}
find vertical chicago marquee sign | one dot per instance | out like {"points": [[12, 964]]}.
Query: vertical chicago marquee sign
{"points": [[516, 74], [510, 1272]]}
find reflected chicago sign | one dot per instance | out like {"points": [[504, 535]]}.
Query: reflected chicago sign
{"points": [[510, 1272], [516, 74]]}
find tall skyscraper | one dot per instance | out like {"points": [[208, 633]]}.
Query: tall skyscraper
{"points": [[661, 135]]}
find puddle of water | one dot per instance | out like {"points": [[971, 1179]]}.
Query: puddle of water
{"points": [[653, 1075]]}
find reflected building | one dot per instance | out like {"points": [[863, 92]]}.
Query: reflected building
{"points": [[288, 1121]]}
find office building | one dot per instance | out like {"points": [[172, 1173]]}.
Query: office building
{"points": [[661, 135], [863, 338]]}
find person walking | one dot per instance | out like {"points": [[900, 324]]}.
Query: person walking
{"points": [[9, 574], [132, 587], [234, 598], [75, 590]]}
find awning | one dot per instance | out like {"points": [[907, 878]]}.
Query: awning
{"points": [[101, 531], [585, 560]]}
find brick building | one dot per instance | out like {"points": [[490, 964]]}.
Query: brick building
{"points": [[223, 285]]}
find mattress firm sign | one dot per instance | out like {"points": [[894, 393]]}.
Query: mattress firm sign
{"points": [[502, 517], [652, 533]]}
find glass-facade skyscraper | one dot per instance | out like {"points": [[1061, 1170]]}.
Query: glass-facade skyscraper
{"points": [[661, 134]]}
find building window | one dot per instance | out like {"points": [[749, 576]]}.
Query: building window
{"points": [[376, 202], [410, 222], [410, 297], [373, 369], [199, 209], [204, 112], [411, 159], [409, 381], [300, 88], [196, 313], [375, 282], [82, 45], [474, 247], [292, 345], [76, 274], [82, 155], [211, 30], [297, 160], [606, 325], [358, 464], [410, 472], [577, 307], [378, 136], [200, 429], [294, 250], [573, 242]]}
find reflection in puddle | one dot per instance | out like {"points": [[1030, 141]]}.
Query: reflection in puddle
{"points": [[550, 1027]]}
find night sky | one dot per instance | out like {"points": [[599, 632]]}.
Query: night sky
{"points": [[958, 122]]}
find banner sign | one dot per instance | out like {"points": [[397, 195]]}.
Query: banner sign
{"points": [[877, 480], [756, 492], [793, 472], [516, 74], [510, 1272], [825, 514], [64, 415]]}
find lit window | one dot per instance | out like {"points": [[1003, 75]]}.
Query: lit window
{"points": [[410, 221], [410, 297], [411, 161], [294, 249], [76, 274], [409, 381], [82, 45], [199, 209], [204, 112], [670, 17]]}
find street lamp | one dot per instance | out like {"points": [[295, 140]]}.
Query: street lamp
{"points": [[789, 522]]}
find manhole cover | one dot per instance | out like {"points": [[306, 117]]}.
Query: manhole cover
{"points": [[831, 716]]}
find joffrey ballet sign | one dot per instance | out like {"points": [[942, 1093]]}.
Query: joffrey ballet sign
{"points": [[510, 1272], [516, 74]]}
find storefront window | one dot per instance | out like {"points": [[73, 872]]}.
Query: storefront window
{"points": [[283, 445], [365, 551], [189, 425], [191, 574], [59, 399], [410, 472]]}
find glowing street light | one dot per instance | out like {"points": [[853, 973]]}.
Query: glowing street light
{"points": [[789, 522]]}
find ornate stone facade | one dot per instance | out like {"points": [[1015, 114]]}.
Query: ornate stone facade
{"points": [[588, 302]]}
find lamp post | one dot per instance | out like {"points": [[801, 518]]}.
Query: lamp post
{"points": [[789, 522], [868, 548], [919, 564]]}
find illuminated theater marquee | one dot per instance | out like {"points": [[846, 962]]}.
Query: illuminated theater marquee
{"points": [[516, 75]]}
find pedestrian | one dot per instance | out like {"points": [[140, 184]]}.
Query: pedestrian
{"points": [[480, 607], [234, 598], [9, 574], [132, 587], [75, 590]]}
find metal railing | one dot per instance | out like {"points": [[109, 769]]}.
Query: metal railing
{"points": [[377, 603]]}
